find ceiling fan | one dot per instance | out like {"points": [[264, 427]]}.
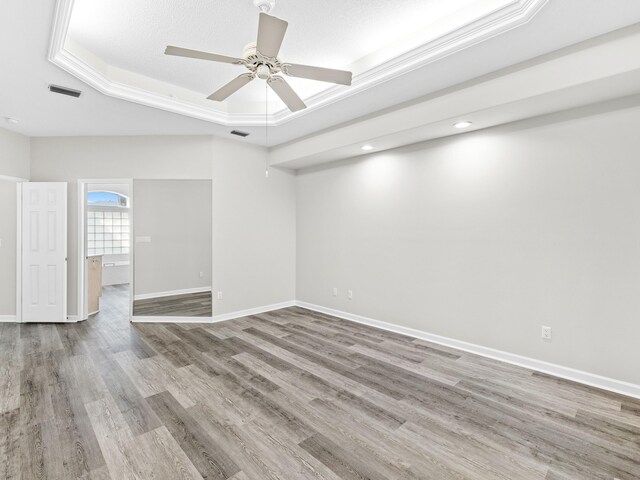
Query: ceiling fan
{"points": [[261, 59]]}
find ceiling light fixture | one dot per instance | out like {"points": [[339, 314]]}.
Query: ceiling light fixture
{"points": [[12, 121], [463, 124], [262, 61], [366, 148]]}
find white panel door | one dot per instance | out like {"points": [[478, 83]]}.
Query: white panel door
{"points": [[44, 252]]}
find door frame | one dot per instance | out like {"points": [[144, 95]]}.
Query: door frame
{"points": [[175, 319], [82, 287], [19, 182]]}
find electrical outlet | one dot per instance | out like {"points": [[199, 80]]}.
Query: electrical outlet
{"points": [[335, 292], [219, 295], [546, 333], [201, 274], [350, 294]]}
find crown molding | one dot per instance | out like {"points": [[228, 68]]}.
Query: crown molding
{"points": [[513, 15]]}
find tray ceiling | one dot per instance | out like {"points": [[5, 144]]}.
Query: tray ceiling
{"points": [[32, 34], [117, 47]]}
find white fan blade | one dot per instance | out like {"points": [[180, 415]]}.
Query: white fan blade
{"points": [[232, 87], [271, 32], [318, 73], [286, 93], [185, 52]]}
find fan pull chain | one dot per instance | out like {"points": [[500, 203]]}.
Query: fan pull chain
{"points": [[266, 129]]}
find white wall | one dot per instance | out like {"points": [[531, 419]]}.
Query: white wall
{"points": [[485, 237], [14, 162], [254, 229], [176, 216], [238, 168], [14, 154]]}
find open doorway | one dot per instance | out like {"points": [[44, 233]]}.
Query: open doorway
{"points": [[106, 237], [173, 250]]}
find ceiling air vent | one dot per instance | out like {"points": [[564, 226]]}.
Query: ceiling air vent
{"points": [[65, 91], [239, 133]]}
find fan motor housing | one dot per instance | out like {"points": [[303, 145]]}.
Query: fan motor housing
{"points": [[259, 64]]}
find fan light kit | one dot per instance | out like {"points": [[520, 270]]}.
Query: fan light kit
{"points": [[261, 59], [463, 124]]}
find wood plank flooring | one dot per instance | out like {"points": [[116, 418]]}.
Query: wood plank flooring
{"points": [[290, 394], [189, 305]]}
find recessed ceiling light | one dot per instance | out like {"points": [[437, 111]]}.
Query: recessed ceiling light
{"points": [[463, 124], [12, 121], [367, 147]]}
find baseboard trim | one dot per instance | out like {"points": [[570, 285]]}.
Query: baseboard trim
{"points": [[586, 378], [12, 318], [216, 318], [253, 311], [170, 293], [167, 319]]}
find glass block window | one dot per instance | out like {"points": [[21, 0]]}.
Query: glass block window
{"points": [[107, 233]]}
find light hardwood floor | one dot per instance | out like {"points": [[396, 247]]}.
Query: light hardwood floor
{"points": [[290, 395]]}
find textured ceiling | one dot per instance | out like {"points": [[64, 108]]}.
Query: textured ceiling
{"points": [[331, 33], [25, 41]]}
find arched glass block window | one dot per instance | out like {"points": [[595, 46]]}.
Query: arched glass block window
{"points": [[107, 199]]}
